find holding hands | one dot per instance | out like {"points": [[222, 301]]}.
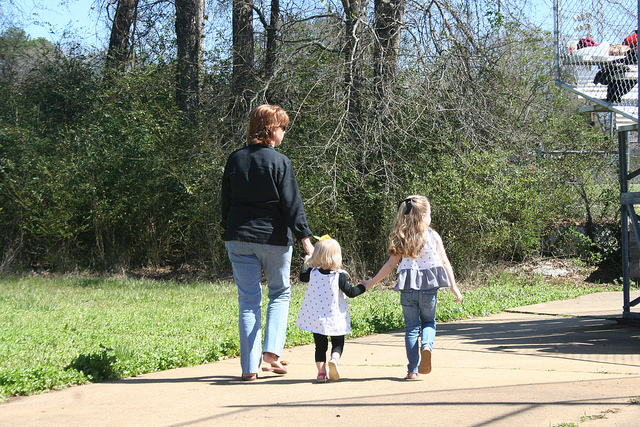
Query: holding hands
{"points": [[368, 284]]}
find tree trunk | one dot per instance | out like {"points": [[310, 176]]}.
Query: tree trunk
{"points": [[389, 17], [189, 37], [272, 46], [119, 43], [243, 59], [353, 64]]}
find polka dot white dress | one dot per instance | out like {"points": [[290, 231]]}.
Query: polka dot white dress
{"points": [[325, 308]]}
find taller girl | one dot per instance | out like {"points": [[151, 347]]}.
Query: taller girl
{"points": [[424, 268]]}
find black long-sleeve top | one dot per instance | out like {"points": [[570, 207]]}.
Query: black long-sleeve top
{"points": [[261, 200], [343, 281]]}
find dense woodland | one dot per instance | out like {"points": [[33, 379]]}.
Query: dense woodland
{"points": [[111, 156]]}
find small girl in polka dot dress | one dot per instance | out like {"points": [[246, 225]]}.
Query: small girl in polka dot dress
{"points": [[325, 308]]}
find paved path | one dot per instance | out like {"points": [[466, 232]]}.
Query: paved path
{"points": [[531, 366]]}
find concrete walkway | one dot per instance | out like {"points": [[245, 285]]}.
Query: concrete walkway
{"points": [[532, 366]]}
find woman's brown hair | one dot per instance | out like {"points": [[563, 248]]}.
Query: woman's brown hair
{"points": [[262, 121]]}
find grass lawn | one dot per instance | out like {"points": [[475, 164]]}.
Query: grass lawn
{"points": [[65, 330]]}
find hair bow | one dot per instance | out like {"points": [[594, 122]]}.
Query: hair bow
{"points": [[325, 237], [409, 203]]}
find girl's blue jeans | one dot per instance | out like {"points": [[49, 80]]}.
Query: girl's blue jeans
{"points": [[419, 311], [249, 260]]}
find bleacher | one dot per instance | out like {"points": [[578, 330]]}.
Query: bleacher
{"points": [[598, 40], [585, 65], [591, 64]]}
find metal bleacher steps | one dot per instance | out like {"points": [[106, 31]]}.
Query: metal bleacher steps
{"points": [[626, 111]]}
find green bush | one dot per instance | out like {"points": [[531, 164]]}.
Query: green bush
{"points": [[102, 174], [95, 366], [28, 380]]}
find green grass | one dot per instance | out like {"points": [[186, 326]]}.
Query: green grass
{"points": [[62, 331]]}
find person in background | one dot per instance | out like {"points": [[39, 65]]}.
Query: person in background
{"points": [[262, 213]]}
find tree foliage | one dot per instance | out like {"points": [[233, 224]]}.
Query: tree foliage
{"points": [[103, 173]]}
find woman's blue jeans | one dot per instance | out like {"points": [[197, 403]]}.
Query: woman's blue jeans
{"points": [[419, 311], [249, 260]]}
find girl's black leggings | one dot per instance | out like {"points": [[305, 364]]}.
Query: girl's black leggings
{"points": [[322, 343]]}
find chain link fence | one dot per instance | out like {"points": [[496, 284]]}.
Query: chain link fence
{"points": [[596, 57], [596, 44]]}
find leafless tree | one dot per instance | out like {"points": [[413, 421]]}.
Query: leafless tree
{"points": [[242, 80], [120, 42], [353, 53], [389, 22], [272, 42], [189, 38]]}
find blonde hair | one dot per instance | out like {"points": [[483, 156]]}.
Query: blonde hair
{"points": [[262, 121], [326, 254], [409, 227]]}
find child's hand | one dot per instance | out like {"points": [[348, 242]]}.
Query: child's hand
{"points": [[457, 293], [367, 284]]}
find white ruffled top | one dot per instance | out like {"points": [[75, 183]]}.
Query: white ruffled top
{"points": [[426, 272]]}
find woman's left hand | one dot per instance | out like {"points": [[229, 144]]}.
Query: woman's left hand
{"points": [[307, 245]]}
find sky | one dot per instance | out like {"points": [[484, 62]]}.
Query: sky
{"points": [[51, 18]]}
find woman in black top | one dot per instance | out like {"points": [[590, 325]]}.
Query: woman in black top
{"points": [[261, 214]]}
